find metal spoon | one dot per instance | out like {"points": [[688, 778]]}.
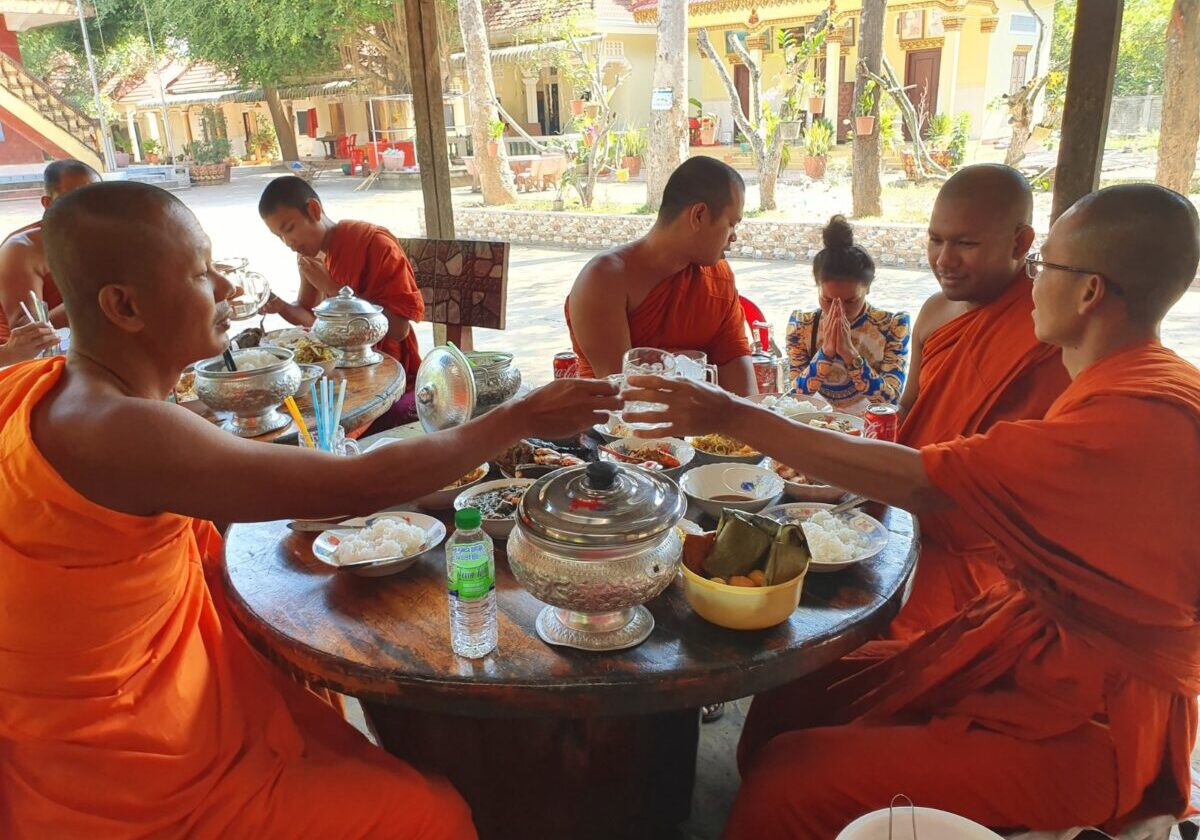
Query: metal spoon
{"points": [[848, 504]]}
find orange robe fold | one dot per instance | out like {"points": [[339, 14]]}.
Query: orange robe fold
{"points": [[129, 704], [369, 260], [984, 367], [50, 293], [1066, 695], [696, 309]]}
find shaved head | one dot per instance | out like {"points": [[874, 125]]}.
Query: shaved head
{"points": [[1144, 238], [88, 232], [1001, 187], [61, 175], [700, 180]]}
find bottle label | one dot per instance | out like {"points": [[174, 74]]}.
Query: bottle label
{"points": [[473, 576]]}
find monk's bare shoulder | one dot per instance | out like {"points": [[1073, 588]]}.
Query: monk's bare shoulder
{"points": [[603, 272], [23, 250], [937, 311]]}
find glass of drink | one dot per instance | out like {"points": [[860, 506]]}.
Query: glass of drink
{"points": [[693, 365], [647, 361]]}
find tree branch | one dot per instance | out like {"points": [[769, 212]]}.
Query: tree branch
{"points": [[1037, 58], [757, 142], [926, 167], [755, 79]]}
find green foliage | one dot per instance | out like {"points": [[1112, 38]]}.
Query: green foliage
{"points": [[866, 101], [818, 139], [56, 53], [634, 142], [208, 152], [150, 146], [890, 136], [1141, 53], [937, 130], [264, 143], [957, 146], [496, 130]]}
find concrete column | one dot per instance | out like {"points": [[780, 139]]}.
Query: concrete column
{"points": [[948, 78], [833, 61], [131, 125], [153, 132], [531, 84]]}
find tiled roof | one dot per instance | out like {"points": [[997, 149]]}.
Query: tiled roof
{"points": [[509, 15], [200, 77]]}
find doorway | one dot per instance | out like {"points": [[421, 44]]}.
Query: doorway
{"points": [[547, 107], [921, 71], [741, 81], [337, 119]]}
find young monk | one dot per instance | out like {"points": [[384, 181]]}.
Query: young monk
{"points": [[330, 254], [975, 362], [1066, 695], [672, 288], [131, 705], [23, 266]]}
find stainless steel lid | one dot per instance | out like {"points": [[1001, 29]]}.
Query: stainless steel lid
{"points": [[601, 504], [445, 389], [346, 305]]}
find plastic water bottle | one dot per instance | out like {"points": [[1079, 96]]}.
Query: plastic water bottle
{"points": [[471, 581]]}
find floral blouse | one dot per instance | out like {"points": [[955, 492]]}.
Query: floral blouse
{"points": [[881, 339]]}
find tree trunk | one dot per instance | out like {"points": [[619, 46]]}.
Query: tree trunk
{"points": [[866, 188], [494, 175], [668, 129], [284, 132], [1180, 113], [1020, 116]]}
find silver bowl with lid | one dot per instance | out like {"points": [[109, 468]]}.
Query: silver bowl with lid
{"points": [[253, 396], [497, 379], [352, 325], [595, 543]]}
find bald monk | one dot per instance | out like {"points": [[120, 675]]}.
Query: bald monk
{"points": [[975, 362], [1066, 695], [131, 704], [330, 254], [23, 266], [672, 288]]}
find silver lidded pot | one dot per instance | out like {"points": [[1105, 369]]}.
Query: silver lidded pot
{"points": [[252, 396], [595, 543], [352, 325], [497, 379]]}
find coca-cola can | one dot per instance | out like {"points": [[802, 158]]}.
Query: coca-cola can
{"points": [[882, 423], [566, 365]]}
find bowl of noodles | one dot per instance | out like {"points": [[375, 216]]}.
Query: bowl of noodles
{"points": [[722, 449]]}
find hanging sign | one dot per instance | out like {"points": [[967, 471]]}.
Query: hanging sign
{"points": [[661, 99]]}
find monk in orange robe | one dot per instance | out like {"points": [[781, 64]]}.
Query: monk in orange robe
{"points": [[330, 254], [23, 266], [130, 705], [672, 288], [976, 362], [1066, 695]]}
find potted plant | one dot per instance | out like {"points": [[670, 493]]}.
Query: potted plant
{"points": [[150, 150], [577, 106], [937, 132], [818, 140], [495, 132], [816, 92], [634, 144], [864, 119], [708, 130], [210, 162], [123, 149]]}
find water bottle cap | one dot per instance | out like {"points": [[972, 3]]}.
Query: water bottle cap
{"points": [[468, 519]]}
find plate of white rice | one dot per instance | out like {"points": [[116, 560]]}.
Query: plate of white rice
{"points": [[389, 544], [835, 541], [789, 405], [255, 359]]}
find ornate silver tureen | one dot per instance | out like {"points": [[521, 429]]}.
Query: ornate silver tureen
{"points": [[353, 326], [596, 542], [252, 395]]}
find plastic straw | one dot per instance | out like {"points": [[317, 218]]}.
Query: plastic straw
{"points": [[341, 400], [25, 309], [294, 410]]}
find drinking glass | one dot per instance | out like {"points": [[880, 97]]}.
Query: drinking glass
{"points": [[647, 361], [342, 445], [693, 365]]}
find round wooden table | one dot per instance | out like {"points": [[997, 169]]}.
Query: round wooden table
{"points": [[370, 391], [542, 741]]}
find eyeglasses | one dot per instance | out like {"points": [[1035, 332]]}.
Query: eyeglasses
{"points": [[1034, 264]]}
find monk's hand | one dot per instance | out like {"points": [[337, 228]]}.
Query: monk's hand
{"points": [[692, 408], [313, 270], [275, 305], [565, 407], [26, 341]]}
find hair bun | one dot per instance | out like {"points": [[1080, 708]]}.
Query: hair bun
{"points": [[838, 235]]}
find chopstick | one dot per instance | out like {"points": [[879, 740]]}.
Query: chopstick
{"points": [[228, 356], [294, 410]]}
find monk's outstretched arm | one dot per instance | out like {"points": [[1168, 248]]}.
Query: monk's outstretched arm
{"points": [[145, 457], [885, 472]]}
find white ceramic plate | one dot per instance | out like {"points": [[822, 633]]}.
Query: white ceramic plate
{"points": [[877, 535], [682, 451], [805, 492], [856, 423], [327, 542], [818, 402]]}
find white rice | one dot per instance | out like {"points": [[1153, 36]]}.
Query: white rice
{"points": [[831, 540], [789, 406], [254, 359], [383, 538]]}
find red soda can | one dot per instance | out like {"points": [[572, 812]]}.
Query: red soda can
{"points": [[566, 365], [883, 423]]}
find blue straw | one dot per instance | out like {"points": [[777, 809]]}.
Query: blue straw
{"points": [[316, 410]]}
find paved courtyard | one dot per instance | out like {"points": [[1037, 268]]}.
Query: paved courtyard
{"points": [[539, 279]]}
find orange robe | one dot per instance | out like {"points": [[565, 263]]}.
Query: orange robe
{"points": [[50, 292], [129, 704], [696, 309], [1066, 695], [369, 260], [984, 367]]}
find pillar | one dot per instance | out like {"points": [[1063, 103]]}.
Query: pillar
{"points": [[833, 61], [948, 77], [131, 125], [531, 83]]}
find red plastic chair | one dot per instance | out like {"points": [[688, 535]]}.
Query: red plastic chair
{"points": [[754, 315]]}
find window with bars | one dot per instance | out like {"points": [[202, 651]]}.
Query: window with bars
{"points": [[1020, 65]]}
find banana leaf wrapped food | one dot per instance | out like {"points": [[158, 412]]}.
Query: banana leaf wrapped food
{"points": [[746, 542]]}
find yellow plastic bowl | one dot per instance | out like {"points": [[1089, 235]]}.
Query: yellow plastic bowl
{"points": [[741, 607]]}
